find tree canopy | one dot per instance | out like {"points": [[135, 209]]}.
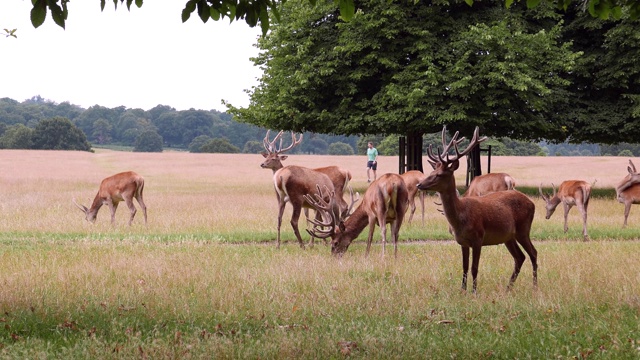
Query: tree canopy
{"points": [[256, 12]]}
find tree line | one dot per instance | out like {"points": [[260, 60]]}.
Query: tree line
{"points": [[38, 123]]}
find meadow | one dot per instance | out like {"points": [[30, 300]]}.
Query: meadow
{"points": [[204, 280]]}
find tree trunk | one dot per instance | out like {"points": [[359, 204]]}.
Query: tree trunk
{"points": [[410, 152]]}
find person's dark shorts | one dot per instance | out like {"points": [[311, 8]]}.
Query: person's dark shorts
{"points": [[372, 165]]}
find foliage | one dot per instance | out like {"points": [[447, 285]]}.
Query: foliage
{"points": [[394, 71], [148, 141], [59, 133], [340, 148], [198, 142], [253, 147], [219, 145], [17, 136]]}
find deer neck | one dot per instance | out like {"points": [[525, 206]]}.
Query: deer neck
{"points": [[452, 205], [98, 201]]}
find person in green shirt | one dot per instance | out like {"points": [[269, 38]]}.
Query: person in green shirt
{"points": [[372, 161]]}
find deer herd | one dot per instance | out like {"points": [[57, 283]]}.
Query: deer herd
{"points": [[490, 212]]}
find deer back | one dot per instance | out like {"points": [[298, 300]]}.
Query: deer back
{"points": [[630, 195], [293, 182], [412, 178], [488, 183]]}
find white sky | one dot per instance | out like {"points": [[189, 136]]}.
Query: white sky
{"points": [[136, 59]]}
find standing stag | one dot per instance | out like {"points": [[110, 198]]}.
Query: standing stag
{"points": [[412, 178], [384, 202], [488, 183], [570, 193], [292, 183], [122, 186], [273, 160], [503, 217], [628, 191]]}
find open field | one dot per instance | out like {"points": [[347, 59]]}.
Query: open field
{"points": [[204, 280]]}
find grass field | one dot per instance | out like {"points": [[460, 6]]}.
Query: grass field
{"points": [[203, 279]]}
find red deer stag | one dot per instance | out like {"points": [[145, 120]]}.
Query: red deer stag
{"points": [[273, 160], [488, 183], [292, 183], [503, 217], [628, 191], [123, 186], [570, 193], [384, 202], [412, 178]]}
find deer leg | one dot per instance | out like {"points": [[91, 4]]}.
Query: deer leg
{"points": [[113, 206], [372, 228], [476, 250], [518, 259], [465, 266], [395, 230], [295, 216], [566, 215], [383, 232], [280, 212], [412, 205], [132, 209], [422, 203], [142, 206], [627, 209], [525, 241], [583, 211]]}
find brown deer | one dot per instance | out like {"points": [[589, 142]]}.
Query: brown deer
{"points": [[412, 178], [124, 186], [488, 183], [292, 183], [628, 191], [570, 193], [502, 217], [273, 160], [384, 202]]}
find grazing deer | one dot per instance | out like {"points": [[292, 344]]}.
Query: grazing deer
{"points": [[384, 202], [570, 193], [273, 160], [502, 217], [123, 186], [488, 183], [292, 183], [412, 178], [628, 191]]}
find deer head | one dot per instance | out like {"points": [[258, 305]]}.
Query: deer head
{"points": [[273, 159]]}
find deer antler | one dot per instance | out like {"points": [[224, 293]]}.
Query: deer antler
{"points": [[325, 228], [446, 147], [270, 146]]}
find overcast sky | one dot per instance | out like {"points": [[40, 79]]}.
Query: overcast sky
{"points": [[137, 59]]}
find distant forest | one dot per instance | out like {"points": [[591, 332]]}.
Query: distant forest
{"points": [[38, 123]]}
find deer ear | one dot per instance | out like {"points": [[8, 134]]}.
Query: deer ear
{"points": [[284, 157], [264, 154]]}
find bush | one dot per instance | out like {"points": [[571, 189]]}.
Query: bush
{"points": [[219, 145], [59, 133], [340, 148], [198, 142], [253, 147], [148, 141]]}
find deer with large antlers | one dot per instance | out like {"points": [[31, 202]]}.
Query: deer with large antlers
{"points": [[123, 186], [292, 183], [273, 160], [384, 202], [628, 191], [412, 178], [570, 193], [502, 217], [488, 183]]}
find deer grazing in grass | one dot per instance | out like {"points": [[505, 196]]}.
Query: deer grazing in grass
{"points": [[570, 193], [273, 160], [292, 183], [628, 191], [488, 183], [502, 217], [412, 178], [384, 202], [124, 186]]}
